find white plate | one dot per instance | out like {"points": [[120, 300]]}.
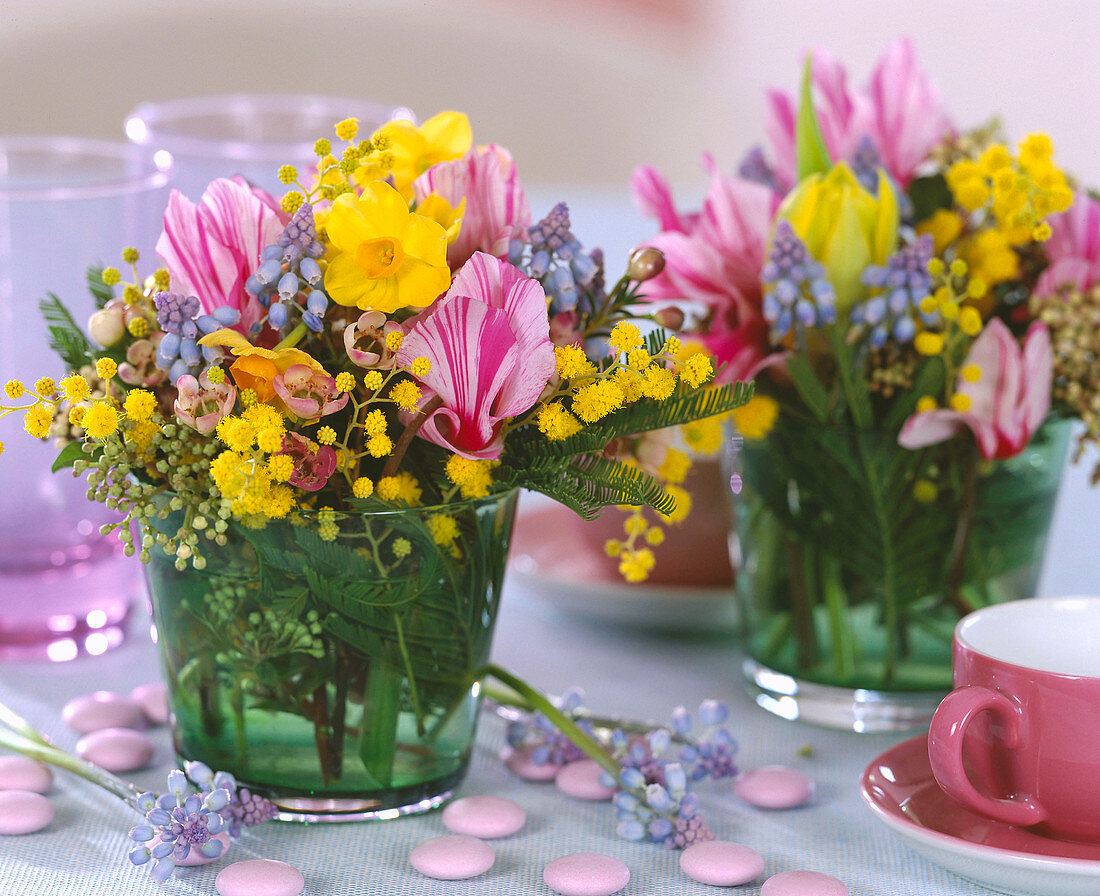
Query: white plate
{"points": [[560, 562]]}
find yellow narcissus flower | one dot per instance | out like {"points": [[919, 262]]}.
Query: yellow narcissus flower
{"points": [[409, 150], [386, 257], [844, 227]]}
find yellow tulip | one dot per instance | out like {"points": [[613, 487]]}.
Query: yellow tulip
{"points": [[844, 227]]}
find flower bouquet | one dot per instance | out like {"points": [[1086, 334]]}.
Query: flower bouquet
{"points": [[319, 412], [916, 305]]}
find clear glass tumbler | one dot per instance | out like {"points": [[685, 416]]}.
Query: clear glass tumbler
{"points": [[65, 203], [247, 134]]}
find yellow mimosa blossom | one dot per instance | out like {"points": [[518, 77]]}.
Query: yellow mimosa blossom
{"points": [[100, 420], [37, 420], [471, 476], [386, 257], [755, 419], [408, 151], [556, 423]]}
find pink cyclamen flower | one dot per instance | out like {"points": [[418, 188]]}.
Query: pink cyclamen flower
{"points": [[496, 207], [309, 393], [313, 464], [714, 258], [1008, 402], [212, 248], [489, 343], [202, 404], [900, 111], [1073, 248]]}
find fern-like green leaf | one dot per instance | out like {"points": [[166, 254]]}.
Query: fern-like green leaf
{"points": [[66, 338], [100, 291]]}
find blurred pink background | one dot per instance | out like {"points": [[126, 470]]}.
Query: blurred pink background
{"points": [[580, 90]]}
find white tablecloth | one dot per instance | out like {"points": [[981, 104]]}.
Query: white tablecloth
{"points": [[631, 673]]}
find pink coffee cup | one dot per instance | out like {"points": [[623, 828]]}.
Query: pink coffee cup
{"points": [[1018, 740]]}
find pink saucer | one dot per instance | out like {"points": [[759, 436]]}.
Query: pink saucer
{"points": [[899, 788]]}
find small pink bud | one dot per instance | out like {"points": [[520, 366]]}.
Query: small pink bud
{"points": [[670, 318], [106, 326], [646, 262]]}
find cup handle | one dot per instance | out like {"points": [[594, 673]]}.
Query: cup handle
{"points": [[945, 752]]}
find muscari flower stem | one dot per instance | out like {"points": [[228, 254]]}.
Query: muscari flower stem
{"points": [[293, 337], [564, 724], [39, 749]]}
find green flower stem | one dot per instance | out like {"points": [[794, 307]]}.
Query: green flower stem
{"points": [[21, 726], [44, 752], [564, 724], [843, 644], [293, 337], [407, 434]]}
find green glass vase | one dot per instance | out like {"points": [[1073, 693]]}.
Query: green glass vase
{"points": [[332, 666], [856, 558]]}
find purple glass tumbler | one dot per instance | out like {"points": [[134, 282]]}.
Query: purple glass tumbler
{"points": [[247, 134], [65, 203]]}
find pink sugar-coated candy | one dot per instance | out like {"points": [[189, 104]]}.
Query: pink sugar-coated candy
{"points": [[195, 856], [721, 863], [803, 883], [91, 712], [519, 762], [486, 817], [153, 700], [259, 877], [581, 779], [23, 812], [586, 874], [21, 773], [774, 787], [455, 857], [116, 749]]}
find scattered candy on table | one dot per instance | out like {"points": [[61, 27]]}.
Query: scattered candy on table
{"points": [[153, 700], [519, 762], [23, 812], [91, 712], [581, 780], [721, 863], [803, 883], [453, 857], [20, 773], [260, 877], [116, 749], [586, 874], [774, 787], [485, 817]]}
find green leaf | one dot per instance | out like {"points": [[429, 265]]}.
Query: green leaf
{"points": [[852, 381], [100, 291], [66, 338], [70, 454], [928, 381], [810, 150], [809, 387], [929, 194]]}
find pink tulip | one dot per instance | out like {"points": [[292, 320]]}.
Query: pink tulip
{"points": [[201, 404], [313, 464], [496, 206], [489, 343], [212, 248], [900, 110], [713, 258], [309, 393], [1008, 402], [1073, 248]]}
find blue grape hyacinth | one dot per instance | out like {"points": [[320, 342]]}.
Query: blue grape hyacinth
{"points": [[288, 269], [799, 295], [902, 284], [183, 324]]}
